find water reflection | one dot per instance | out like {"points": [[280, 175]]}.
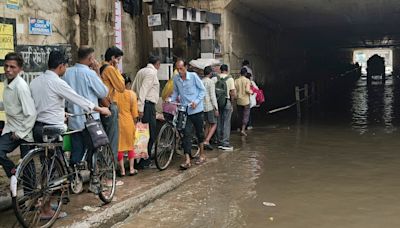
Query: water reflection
{"points": [[360, 108], [372, 106], [388, 108]]}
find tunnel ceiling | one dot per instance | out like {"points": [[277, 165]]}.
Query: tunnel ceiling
{"points": [[345, 23]]}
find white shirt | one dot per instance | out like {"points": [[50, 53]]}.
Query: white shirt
{"points": [[49, 92], [146, 86], [19, 108]]}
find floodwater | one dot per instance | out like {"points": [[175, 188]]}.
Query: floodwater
{"points": [[337, 167]]}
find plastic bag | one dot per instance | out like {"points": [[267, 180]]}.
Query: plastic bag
{"points": [[168, 89], [259, 94], [142, 136], [253, 101]]}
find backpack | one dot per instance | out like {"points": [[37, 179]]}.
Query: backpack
{"points": [[221, 90], [259, 95]]}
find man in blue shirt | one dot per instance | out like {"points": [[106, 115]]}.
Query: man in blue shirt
{"points": [[85, 80], [190, 90]]}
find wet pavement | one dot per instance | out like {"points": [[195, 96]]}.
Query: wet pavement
{"points": [[337, 167], [138, 190]]}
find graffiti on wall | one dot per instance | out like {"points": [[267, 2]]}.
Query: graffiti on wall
{"points": [[36, 57]]}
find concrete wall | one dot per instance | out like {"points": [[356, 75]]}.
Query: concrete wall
{"points": [[78, 23], [270, 50], [55, 10]]}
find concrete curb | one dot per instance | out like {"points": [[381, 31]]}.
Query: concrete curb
{"points": [[122, 209]]}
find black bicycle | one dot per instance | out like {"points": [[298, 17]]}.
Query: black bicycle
{"points": [[44, 178], [169, 139]]}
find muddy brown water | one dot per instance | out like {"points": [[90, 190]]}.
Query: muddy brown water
{"points": [[338, 167]]}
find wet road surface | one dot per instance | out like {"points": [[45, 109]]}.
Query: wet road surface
{"points": [[337, 168]]}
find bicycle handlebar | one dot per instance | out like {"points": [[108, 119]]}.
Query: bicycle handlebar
{"points": [[175, 103], [178, 104], [68, 115]]}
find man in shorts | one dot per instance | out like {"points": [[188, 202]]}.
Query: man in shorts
{"points": [[210, 107]]}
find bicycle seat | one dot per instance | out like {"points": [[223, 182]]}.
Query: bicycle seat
{"points": [[52, 133]]}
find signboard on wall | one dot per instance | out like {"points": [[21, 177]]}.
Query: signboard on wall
{"points": [[154, 20], [161, 39], [7, 38], [36, 57], [13, 4], [40, 27]]}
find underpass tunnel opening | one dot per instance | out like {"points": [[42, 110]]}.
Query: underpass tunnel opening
{"points": [[292, 43], [361, 56]]}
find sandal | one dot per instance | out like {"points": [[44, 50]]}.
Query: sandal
{"points": [[185, 166], [201, 161], [119, 174], [135, 172]]}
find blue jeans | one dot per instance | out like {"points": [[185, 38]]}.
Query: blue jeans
{"points": [[111, 127], [224, 124]]}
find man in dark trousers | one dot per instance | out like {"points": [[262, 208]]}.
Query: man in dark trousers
{"points": [[20, 112], [147, 88]]}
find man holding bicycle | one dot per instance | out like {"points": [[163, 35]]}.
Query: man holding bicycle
{"points": [[49, 92], [85, 79], [190, 90]]}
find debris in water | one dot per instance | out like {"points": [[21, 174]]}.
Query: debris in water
{"points": [[91, 209], [268, 204]]}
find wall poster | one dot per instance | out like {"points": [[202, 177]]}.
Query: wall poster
{"points": [[8, 38]]}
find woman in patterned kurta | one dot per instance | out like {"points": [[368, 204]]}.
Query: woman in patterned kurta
{"points": [[127, 115]]}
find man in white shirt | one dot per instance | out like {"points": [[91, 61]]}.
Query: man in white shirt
{"points": [[49, 92], [20, 112], [147, 88]]}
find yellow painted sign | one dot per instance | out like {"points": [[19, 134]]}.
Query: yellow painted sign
{"points": [[6, 39], [13, 4]]}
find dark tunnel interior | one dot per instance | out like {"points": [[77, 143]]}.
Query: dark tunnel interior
{"points": [[292, 42]]}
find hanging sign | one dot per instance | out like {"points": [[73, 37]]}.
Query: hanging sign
{"points": [[118, 29], [39, 27], [154, 20]]}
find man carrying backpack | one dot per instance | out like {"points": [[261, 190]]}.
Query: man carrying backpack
{"points": [[225, 92], [210, 107]]}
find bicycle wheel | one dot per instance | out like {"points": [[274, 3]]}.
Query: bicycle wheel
{"points": [[41, 185], [195, 149], [165, 146], [105, 172]]}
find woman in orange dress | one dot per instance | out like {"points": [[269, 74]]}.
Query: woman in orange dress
{"points": [[127, 114]]}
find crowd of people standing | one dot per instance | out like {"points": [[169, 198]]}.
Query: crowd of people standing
{"points": [[120, 103]]}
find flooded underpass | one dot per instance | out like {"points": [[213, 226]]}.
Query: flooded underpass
{"points": [[337, 168]]}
